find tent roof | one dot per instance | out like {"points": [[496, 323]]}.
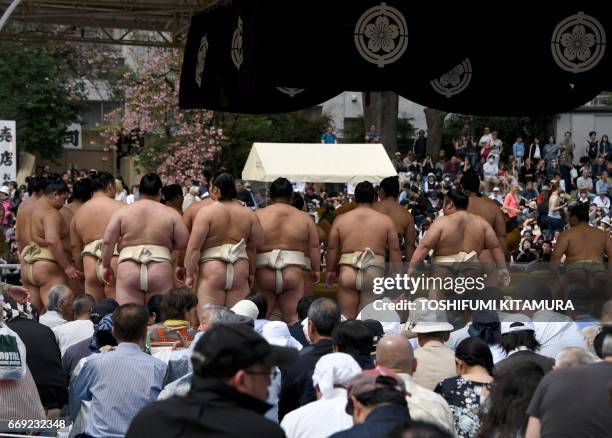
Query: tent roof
{"points": [[336, 163], [96, 21]]}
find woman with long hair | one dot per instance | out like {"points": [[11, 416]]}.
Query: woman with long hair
{"points": [[466, 392], [555, 208], [527, 172], [508, 400], [605, 147]]}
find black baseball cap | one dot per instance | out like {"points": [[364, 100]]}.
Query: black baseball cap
{"points": [[103, 308], [225, 349]]}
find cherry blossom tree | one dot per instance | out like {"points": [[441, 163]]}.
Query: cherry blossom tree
{"points": [[177, 142]]}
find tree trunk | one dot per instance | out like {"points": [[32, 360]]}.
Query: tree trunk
{"points": [[380, 108], [435, 128]]}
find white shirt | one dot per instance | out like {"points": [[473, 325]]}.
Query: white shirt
{"points": [[52, 319], [320, 418], [425, 405], [72, 332], [485, 140], [490, 169], [121, 196], [555, 331], [389, 319], [602, 203]]}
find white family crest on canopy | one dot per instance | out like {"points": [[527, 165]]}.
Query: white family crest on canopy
{"points": [[454, 81], [578, 43]]}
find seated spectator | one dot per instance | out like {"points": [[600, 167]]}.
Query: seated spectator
{"points": [[126, 373], [154, 308], [435, 361], [602, 201], [43, 355], [598, 167], [232, 368], [520, 344], [571, 357], [605, 321], [396, 353], [508, 400], [583, 198], [81, 328], [573, 401], [526, 253], [59, 306], [178, 313], [296, 385], [497, 196], [84, 348], [327, 415], [377, 402], [491, 172], [530, 193], [486, 327], [466, 393], [355, 338]]}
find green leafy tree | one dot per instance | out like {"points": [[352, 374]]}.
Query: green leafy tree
{"points": [[39, 93], [240, 131]]}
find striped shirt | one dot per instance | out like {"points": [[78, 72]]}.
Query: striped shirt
{"points": [[19, 400], [119, 384]]}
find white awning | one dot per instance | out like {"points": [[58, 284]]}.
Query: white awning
{"points": [[334, 163]]}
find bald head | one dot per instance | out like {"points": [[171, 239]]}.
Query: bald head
{"points": [[395, 352]]}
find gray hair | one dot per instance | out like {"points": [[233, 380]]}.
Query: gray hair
{"points": [[219, 315], [571, 357], [325, 315], [83, 305], [57, 293]]}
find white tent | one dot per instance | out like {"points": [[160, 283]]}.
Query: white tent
{"points": [[334, 163]]}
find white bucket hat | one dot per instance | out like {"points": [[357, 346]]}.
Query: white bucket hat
{"points": [[425, 320]]}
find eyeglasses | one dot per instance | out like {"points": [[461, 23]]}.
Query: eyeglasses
{"points": [[270, 373]]}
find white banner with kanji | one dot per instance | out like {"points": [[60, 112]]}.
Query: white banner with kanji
{"points": [[8, 151]]}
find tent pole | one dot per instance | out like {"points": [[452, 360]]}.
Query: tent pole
{"points": [[7, 14]]}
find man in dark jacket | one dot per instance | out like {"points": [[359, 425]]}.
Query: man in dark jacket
{"points": [[232, 368], [296, 381], [377, 403]]}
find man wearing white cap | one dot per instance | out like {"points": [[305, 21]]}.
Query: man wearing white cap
{"points": [[327, 415], [436, 362], [520, 344]]}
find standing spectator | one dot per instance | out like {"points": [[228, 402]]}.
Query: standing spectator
{"points": [[232, 367], [43, 355], [467, 392], [245, 195], [134, 195], [121, 195], [552, 168], [530, 193], [396, 353], [591, 146], [372, 135], [81, 328], [191, 197], [435, 361], [329, 137], [573, 401], [59, 306], [126, 373], [566, 150], [534, 152], [296, 380], [497, 146], [508, 401], [327, 415], [377, 402], [520, 344], [420, 145], [311, 198], [518, 150], [485, 142], [486, 327], [605, 147], [491, 172], [512, 201], [551, 150], [554, 220]]}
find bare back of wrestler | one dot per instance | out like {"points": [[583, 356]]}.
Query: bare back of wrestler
{"points": [[88, 225], [584, 248], [402, 219], [146, 232], [221, 248], [24, 237], [289, 236], [188, 218], [362, 235], [459, 237], [49, 243]]}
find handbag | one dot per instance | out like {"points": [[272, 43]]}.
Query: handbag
{"points": [[12, 355]]}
